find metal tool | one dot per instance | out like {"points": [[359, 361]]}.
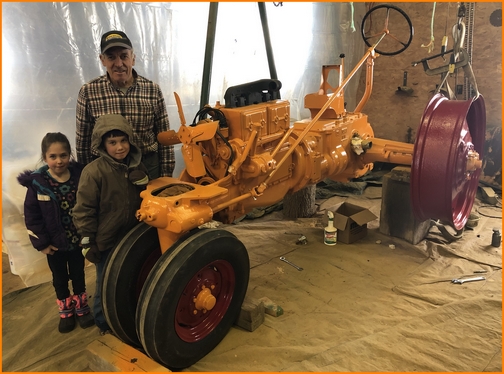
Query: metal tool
{"points": [[302, 240], [404, 88], [464, 280], [290, 263]]}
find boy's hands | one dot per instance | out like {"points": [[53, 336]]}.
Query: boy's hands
{"points": [[92, 253], [138, 177], [90, 250]]}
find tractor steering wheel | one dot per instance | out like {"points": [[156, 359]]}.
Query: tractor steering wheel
{"points": [[375, 18]]}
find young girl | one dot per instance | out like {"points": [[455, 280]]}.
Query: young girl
{"points": [[48, 208]]}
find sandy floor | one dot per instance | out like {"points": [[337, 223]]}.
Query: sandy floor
{"points": [[357, 307]]}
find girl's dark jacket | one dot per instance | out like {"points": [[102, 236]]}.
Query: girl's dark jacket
{"points": [[41, 210]]}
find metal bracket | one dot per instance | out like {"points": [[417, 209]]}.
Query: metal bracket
{"points": [[445, 68]]}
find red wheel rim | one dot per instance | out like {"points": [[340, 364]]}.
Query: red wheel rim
{"points": [[192, 324], [442, 187]]}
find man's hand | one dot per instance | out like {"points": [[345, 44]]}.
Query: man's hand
{"points": [[49, 250]]}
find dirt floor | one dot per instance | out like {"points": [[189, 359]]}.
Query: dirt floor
{"points": [[365, 306]]}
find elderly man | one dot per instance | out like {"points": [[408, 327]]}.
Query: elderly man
{"points": [[122, 91]]}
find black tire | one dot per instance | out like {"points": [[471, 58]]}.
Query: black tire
{"points": [[124, 274], [171, 329]]}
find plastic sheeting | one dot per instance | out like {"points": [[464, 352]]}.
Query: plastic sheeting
{"points": [[50, 49]]}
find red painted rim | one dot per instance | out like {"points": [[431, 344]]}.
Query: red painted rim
{"points": [[192, 327], [441, 188]]}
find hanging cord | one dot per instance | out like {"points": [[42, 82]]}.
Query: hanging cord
{"points": [[352, 24], [431, 44], [444, 42]]}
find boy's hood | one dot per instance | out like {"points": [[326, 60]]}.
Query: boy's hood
{"points": [[109, 122]]}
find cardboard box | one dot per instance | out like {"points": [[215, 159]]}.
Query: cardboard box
{"points": [[351, 221]]}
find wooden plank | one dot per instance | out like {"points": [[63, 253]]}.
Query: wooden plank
{"points": [[251, 314], [108, 353]]}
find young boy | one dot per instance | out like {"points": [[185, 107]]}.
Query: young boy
{"points": [[108, 197]]}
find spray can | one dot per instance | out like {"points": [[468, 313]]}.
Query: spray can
{"points": [[330, 232], [496, 237]]}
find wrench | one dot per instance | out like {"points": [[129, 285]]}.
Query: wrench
{"points": [[290, 263], [463, 280]]}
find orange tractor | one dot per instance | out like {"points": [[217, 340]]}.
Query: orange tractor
{"points": [[174, 290]]}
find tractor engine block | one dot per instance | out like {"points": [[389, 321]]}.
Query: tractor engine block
{"points": [[248, 155], [256, 135]]}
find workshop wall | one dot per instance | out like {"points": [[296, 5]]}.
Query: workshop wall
{"points": [[395, 115]]}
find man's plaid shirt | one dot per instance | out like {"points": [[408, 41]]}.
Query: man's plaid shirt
{"points": [[142, 105]]}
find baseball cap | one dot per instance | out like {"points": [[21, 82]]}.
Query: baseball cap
{"points": [[114, 38]]}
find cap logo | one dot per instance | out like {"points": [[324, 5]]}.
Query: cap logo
{"points": [[113, 36]]}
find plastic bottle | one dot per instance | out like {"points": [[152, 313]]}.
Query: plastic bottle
{"points": [[330, 232]]}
